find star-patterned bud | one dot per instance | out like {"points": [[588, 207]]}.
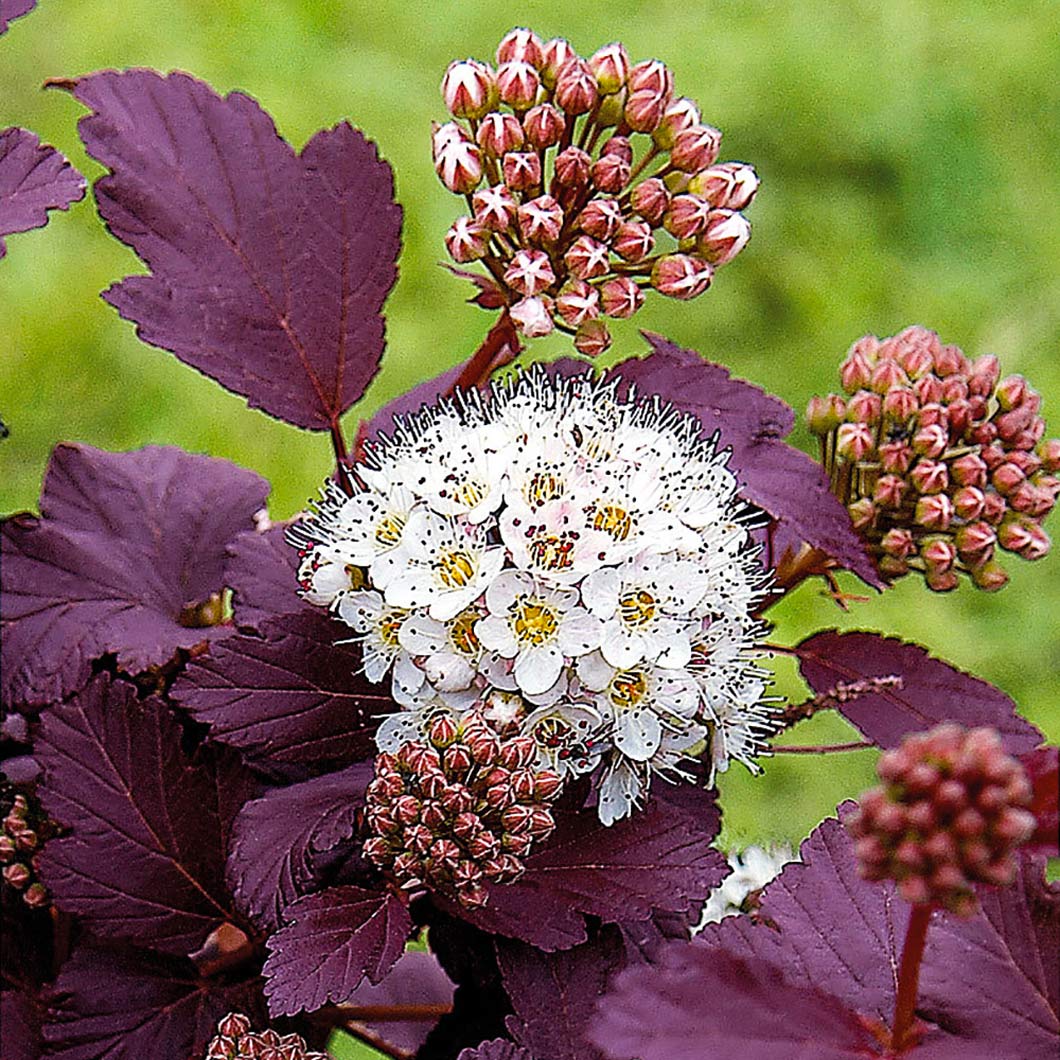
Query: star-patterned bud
{"points": [[576, 91], [727, 186], [592, 338], [518, 84], [467, 240], [469, 89], [587, 258], [681, 276], [522, 45], [457, 160], [533, 316], [621, 297], [500, 133], [522, 170], [726, 233], [543, 126], [952, 808], [578, 302], [572, 167], [600, 219], [530, 271], [556, 53], [495, 208], [633, 241], [540, 221], [610, 66], [686, 216], [695, 148], [679, 115], [235, 1040], [650, 199]]}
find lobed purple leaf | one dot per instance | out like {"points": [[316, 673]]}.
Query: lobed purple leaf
{"points": [[553, 994], [290, 700], [261, 569], [20, 1019], [782, 480], [333, 941], [932, 691], [132, 1005], [12, 9], [125, 544], [498, 1049], [278, 839], [148, 826], [268, 269], [34, 178]]}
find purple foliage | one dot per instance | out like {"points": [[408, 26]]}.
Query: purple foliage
{"points": [[289, 699], [268, 268], [1043, 769], [12, 9], [125, 542], [554, 994], [278, 839], [135, 1005], [426, 393], [34, 178], [334, 940], [20, 1020], [498, 1049], [148, 826], [261, 569], [784, 481], [932, 690]]}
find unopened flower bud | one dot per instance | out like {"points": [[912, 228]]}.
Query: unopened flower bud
{"points": [[576, 91], [521, 44], [1050, 454], [896, 457], [592, 338], [529, 272], [610, 173], [651, 75], [572, 167], [1006, 477], [681, 276], [929, 476], [727, 186], [467, 240], [17, 875], [644, 109], [934, 512], [1011, 392], [457, 161], [854, 440], [686, 216], [532, 317], [587, 258], [969, 470], [522, 170], [887, 374], [725, 235], [621, 297], [578, 302], [898, 542], [650, 199], [950, 361], [990, 577], [633, 241], [864, 407], [824, 414], [518, 83], [500, 133], [855, 372], [540, 221], [600, 218], [695, 148], [930, 442], [862, 513], [556, 53], [969, 502], [543, 126], [495, 208], [680, 114], [899, 404], [889, 492], [610, 66], [469, 89]]}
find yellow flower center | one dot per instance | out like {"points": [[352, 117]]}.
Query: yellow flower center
{"points": [[552, 552], [390, 622], [462, 633], [637, 608], [627, 689], [388, 530], [454, 569], [544, 487], [613, 520], [533, 621]]}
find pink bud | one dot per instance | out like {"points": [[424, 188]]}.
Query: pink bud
{"points": [[544, 126], [518, 84], [578, 302], [610, 173], [610, 66], [592, 338], [896, 457], [650, 199], [681, 276], [855, 371], [457, 161], [950, 361], [928, 389], [556, 53], [600, 218], [724, 236], [522, 170], [941, 582], [1011, 392], [633, 241], [898, 542], [621, 297], [686, 216], [587, 258], [934, 512], [572, 167], [619, 146], [469, 89], [968, 502], [728, 185], [652, 75], [521, 44], [1039, 545], [969, 470], [466, 240], [17, 875], [495, 208], [547, 785], [899, 404], [576, 90], [540, 221], [824, 414], [960, 418], [864, 407], [500, 133], [939, 555], [892, 568], [931, 441], [1050, 454], [681, 114], [529, 272], [887, 374], [854, 441], [1006, 478], [932, 414], [975, 538], [644, 109], [889, 492], [695, 148], [955, 388], [532, 316], [862, 513]]}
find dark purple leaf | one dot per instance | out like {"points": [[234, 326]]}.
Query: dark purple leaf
{"points": [[416, 980], [334, 939], [125, 543], [20, 1023], [135, 1006], [700, 1003], [490, 295], [148, 827], [554, 994], [34, 178], [498, 1049], [426, 393], [1043, 769], [268, 268], [784, 481], [12, 9], [261, 569], [289, 699], [277, 840], [932, 691]]}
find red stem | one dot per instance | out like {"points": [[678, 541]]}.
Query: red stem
{"points": [[342, 456], [499, 347], [909, 977]]}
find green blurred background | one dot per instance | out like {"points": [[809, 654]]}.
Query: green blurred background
{"points": [[910, 157]]}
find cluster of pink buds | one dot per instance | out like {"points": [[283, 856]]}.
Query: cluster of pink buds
{"points": [[236, 1041], [588, 182], [25, 827], [939, 461], [459, 809], [950, 812]]}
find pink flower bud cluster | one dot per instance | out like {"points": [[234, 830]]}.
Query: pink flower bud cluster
{"points": [[460, 809], [939, 461], [950, 813], [589, 181], [236, 1041], [25, 827]]}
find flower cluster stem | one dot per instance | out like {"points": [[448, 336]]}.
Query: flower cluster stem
{"points": [[909, 977]]}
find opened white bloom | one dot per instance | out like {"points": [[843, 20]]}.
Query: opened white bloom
{"points": [[577, 567], [752, 869]]}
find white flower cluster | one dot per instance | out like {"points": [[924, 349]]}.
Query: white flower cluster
{"points": [[577, 566], [752, 869]]}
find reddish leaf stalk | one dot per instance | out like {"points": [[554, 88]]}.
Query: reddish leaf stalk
{"points": [[903, 1032], [500, 347], [342, 457]]}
